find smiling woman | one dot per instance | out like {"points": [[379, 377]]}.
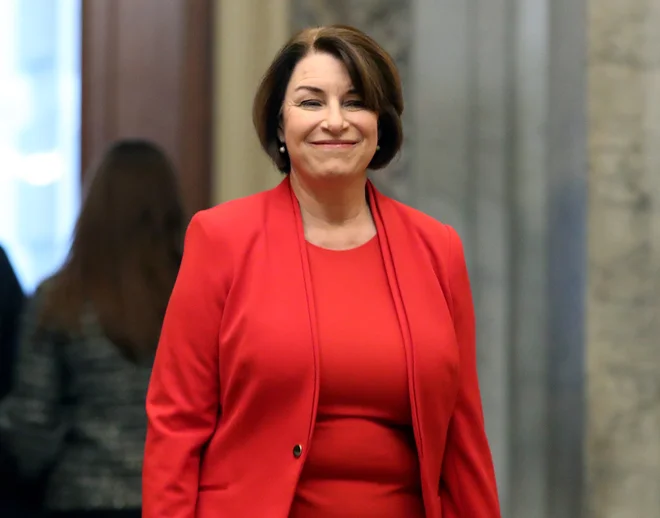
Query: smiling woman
{"points": [[367, 80], [318, 358]]}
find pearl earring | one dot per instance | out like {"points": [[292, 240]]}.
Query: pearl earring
{"points": [[282, 149], [377, 148]]}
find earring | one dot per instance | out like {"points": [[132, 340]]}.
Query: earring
{"points": [[377, 148], [282, 149]]}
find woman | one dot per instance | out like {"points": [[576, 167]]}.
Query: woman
{"points": [[317, 357], [76, 409]]}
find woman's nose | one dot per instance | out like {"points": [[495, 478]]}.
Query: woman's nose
{"points": [[335, 119]]}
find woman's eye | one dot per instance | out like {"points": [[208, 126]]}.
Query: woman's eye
{"points": [[355, 103], [311, 103]]}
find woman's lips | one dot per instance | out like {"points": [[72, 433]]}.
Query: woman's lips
{"points": [[334, 144]]}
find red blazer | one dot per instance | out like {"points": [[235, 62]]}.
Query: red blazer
{"points": [[234, 390]]}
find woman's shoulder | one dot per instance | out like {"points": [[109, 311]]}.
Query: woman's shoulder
{"points": [[234, 218], [33, 322], [219, 238]]}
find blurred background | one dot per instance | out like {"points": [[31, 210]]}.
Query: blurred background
{"points": [[531, 126]]}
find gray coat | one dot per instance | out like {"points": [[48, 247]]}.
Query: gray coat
{"points": [[77, 412]]}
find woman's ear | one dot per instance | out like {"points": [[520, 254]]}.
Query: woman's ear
{"points": [[280, 130]]}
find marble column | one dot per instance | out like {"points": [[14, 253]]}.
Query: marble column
{"points": [[623, 346], [247, 35]]}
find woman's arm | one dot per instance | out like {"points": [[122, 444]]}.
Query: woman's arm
{"points": [[183, 396], [32, 425], [467, 484]]}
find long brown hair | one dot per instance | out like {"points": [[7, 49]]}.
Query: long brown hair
{"points": [[126, 250]]}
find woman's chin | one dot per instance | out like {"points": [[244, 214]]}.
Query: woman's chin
{"points": [[339, 170]]}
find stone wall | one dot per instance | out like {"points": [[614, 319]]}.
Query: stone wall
{"points": [[623, 347]]}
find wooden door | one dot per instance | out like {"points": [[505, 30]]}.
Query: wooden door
{"points": [[146, 72]]}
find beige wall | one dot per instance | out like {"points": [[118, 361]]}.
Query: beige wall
{"points": [[247, 35], [623, 357]]}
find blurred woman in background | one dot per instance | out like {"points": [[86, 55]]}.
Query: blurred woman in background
{"points": [[76, 409]]}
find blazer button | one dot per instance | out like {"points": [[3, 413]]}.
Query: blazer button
{"points": [[297, 451]]}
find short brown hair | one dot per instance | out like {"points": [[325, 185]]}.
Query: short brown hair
{"points": [[126, 250], [371, 69]]}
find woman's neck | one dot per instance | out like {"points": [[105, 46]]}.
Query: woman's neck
{"points": [[332, 203], [335, 214]]}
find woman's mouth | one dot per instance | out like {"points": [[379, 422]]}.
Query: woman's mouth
{"points": [[334, 144]]}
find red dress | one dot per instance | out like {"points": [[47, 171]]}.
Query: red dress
{"points": [[362, 460]]}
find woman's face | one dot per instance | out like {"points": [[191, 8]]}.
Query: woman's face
{"points": [[325, 127]]}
